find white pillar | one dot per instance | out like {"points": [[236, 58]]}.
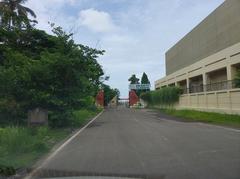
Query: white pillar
{"points": [[230, 75], [188, 85], [231, 72]]}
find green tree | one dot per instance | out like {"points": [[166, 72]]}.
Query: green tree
{"points": [[133, 79], [117, 92], [14, 14], [109, 93], [48, 71], [144, 79]]}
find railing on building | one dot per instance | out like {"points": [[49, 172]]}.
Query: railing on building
{"points": [[223, 85]]}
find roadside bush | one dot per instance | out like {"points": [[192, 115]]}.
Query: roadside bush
{"points": [[7, 171], [20, 146], [164, 96], [22, 140], [60, 119], [81, 116], [146, 97], [72, 118]]}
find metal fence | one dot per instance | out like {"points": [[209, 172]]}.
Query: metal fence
{"points": [[223, 85]]}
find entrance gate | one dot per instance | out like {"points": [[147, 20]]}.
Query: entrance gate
{"points": [[131, 100]]}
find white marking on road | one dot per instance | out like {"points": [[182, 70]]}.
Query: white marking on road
{"points": [[61, 147]]}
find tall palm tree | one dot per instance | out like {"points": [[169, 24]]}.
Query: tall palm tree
{"points": [[13, 13]]}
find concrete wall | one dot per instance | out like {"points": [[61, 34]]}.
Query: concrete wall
{"points": [[218, 31], [225, 101]]}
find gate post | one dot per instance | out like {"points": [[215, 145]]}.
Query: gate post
{"points": [[133, 98], [100, 99]]}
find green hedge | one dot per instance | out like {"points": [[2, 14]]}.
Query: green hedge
{"points": [[164, 96]]}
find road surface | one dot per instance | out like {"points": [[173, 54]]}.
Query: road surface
{"points": [[137, 143]]}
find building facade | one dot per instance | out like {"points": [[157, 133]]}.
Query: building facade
{"points": [[204, 63]]}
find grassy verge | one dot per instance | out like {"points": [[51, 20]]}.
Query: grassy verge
{"points": [[82, 116], [20, 147], [207, 117]]}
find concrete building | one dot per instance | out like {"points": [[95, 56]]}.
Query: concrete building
{"points": [[204, 62]]}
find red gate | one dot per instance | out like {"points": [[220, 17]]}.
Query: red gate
{"points": [[100, 99], [133, 98]]}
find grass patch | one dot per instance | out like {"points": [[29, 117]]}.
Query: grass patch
{"points": [[208, 117], [80, 117], [20, 147]]}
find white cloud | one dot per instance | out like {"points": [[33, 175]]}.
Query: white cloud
{"points": [[97, 21]]}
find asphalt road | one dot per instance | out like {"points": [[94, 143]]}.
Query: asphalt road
{"points": [[137, 143]]}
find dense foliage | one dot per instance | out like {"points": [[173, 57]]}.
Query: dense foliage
{"points": [[164, 96], [133, 79], [14, 15], [39, 70], [144, 79], [47, 71], [109, 93]]}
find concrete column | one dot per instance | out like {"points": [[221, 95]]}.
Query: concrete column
{"points": [[188, 85], [231, 72]]}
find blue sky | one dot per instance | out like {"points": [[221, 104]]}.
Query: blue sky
{"points": [[135, 33]]}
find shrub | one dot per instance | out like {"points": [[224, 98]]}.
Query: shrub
{"points": [[81, 116], [22, 140], [7, 171], [164, 96], [60, 119], [146, 97]]}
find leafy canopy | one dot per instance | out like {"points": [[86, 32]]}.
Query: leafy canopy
{"points": [[133, 79], [144, 79], [42, 70], [109, 93], [48, 71], [14, 15]]}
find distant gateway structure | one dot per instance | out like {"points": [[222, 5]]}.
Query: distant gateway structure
{"points": [[133, 98]]}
